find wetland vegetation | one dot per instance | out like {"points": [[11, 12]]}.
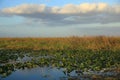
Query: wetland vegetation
{"points": [[91, 58]]}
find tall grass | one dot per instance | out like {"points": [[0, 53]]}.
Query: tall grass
{"points": [[74, 43]]}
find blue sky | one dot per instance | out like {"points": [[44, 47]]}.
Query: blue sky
{"points": [[88, 19]]}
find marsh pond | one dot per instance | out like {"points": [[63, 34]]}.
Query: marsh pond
{"points": [[58, 65], [72, 58]]}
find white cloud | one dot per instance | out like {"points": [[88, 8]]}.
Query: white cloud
{"points": [[25, 8], [102, 7], [67, 9], [68, 14]]}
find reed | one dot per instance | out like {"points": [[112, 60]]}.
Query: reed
{"points": [[74, 43]]}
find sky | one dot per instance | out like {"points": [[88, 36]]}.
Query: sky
{"points": [[53, 18]]}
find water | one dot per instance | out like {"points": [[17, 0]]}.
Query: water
{"points": [[52, 73], [39, 73]]}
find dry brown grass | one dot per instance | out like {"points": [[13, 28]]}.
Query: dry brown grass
{"points": [[92, 43]]}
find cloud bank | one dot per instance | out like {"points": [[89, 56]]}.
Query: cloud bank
{"points": [[84, 13]]}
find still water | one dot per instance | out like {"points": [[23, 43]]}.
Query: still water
{"points": [[53, 73], [39, 73]]}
